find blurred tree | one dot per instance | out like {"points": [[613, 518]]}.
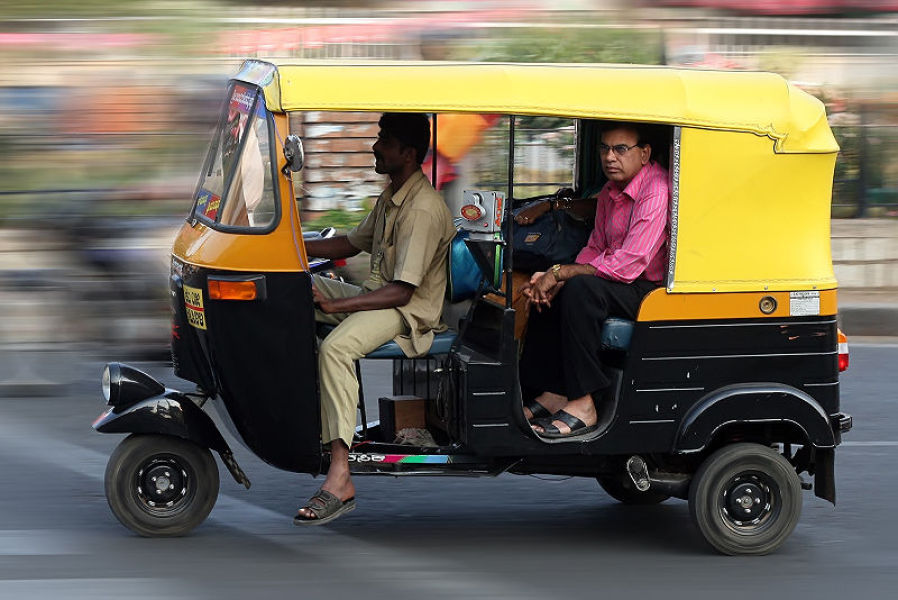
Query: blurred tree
{"points": [[61, 9], [575, 45], [571, 45]]}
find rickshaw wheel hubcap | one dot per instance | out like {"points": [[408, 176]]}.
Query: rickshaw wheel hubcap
{"points": [[161, 484], [748, 502]]}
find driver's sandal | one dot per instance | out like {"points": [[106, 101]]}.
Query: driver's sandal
{"points": [[577, 426], [326, 507]]}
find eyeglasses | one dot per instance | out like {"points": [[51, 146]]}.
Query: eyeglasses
{"points": [[619, 149]]}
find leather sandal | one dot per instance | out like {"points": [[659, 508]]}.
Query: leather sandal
{"points": [[537, 410], [577, 426], [326, 507]]}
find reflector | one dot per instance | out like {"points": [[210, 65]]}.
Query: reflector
{"points": [[843, 351], [232, 290]]}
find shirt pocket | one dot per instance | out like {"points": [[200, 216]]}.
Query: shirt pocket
{"points": [[388, 262]]}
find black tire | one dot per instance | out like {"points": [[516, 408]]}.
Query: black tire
{"points": [[621, 488], [161, 486], [745, 499]]}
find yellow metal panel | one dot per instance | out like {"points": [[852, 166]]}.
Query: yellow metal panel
{"points": [[205, 247], [660, 305], [761, 103], [749, 219]]}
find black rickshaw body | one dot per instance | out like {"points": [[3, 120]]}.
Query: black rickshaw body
{"points": [[739, 349]]}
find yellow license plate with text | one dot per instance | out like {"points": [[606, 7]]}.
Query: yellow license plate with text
{"points": [[193, 302]]}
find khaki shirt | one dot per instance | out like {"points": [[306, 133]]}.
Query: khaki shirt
{"points": [[408, 235]]}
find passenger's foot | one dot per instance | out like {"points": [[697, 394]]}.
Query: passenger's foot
{"points": [[577, 418], [544, 405]]}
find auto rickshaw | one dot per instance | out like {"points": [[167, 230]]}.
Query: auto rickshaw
{"points": [[726, 385]]}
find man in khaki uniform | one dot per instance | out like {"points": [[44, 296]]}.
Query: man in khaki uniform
{"points": [[408, 235]]}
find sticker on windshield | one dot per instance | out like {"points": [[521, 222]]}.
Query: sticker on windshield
{"points": [[207, 204], [193, 302], [804, 304]]}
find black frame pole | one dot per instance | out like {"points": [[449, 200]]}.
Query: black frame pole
{"points": [[509, 220], [433, 154]]}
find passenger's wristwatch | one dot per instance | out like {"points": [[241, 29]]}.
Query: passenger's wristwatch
{"points": [[556, 272]]}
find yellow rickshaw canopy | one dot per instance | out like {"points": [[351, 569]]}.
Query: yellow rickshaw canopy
{"points": [[760, 103], [752, 155]]}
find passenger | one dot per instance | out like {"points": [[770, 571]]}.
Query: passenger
{"points": [[408, 234], [624, 260]]}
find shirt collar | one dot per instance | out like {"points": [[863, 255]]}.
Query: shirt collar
{"points": [[635, 186], [403, 192]]}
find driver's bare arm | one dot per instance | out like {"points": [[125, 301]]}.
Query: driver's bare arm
{"points": [[333, 248], [392, 295]]}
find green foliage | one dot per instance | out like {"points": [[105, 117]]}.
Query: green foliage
{"points": [[564, 45], [572, 45], [342, 220]]}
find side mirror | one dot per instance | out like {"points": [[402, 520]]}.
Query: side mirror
{"points": [[294, 153]]}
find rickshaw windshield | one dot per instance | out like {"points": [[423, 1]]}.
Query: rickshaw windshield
{"points": [[236, 188]]}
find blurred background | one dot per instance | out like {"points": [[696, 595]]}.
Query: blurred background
{"points": [[106, 108]]}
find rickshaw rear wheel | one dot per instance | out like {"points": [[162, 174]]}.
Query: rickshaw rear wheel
{"points": [[745, 499], [160, 485], [621, 488]]}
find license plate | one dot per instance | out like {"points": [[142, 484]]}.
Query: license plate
{"points": [[193, 302]]}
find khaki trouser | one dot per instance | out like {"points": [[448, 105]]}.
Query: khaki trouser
{"points": [[356, 335]]}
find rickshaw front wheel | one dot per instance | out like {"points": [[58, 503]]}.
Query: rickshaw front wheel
{"points": [[745, 499], [160, 485], [621, 488]]}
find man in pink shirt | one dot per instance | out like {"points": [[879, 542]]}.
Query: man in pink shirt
{"points": [[623, 261]]}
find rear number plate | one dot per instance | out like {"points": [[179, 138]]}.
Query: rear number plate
{"points": [[193, 302]]}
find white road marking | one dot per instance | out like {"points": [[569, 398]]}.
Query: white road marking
{"points": [[97, 589], [419, 575], [875, 443], [37, 542], [871, 344]]}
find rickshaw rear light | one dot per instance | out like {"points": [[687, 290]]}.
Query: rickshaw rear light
{"points": [[843, 351], [232, 290]]}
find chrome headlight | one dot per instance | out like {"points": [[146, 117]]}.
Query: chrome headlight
{"points": [[104, 383], [124, 385]]}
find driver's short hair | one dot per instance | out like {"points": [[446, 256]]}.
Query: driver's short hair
{"points": [[412, 130]]}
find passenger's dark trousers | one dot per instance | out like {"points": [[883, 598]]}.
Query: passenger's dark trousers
{"points": [[561, 350]]}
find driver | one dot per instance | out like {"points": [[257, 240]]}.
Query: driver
{"points": [[408, 233]]}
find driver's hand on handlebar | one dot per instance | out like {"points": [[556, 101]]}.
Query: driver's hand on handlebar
{"points": [[321, 301]]}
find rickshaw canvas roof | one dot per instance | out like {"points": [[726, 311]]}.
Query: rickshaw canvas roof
{"points": [[760, 103]]}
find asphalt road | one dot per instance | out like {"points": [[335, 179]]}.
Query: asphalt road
{"points": [[509, 537]]}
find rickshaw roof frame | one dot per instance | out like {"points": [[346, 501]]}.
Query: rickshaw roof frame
{"points": [[761, 103], [779, 193]]}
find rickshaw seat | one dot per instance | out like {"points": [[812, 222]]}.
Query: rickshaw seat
{"points": [[441, 344], [616, 334]]}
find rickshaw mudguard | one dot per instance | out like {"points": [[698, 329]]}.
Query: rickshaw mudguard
{"points": [[171, 413], [755, 403]]}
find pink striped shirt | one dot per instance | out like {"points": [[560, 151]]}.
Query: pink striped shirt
{"points": [[630, 235]]}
